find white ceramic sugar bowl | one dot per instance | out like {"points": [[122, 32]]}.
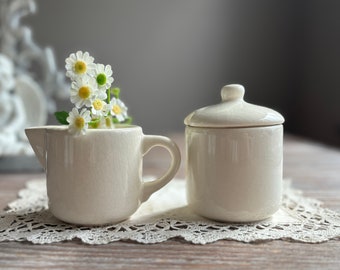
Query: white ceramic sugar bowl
{"points": [[234, 159]]}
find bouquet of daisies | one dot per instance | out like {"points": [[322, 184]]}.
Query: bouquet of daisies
{"points": [[97, 105]]}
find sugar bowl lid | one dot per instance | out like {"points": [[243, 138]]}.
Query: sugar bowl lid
{"points": [[233, 111]]}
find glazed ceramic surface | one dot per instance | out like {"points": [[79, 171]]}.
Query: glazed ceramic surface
{"points": [[234, 159], [234, 174], [97, 178]]}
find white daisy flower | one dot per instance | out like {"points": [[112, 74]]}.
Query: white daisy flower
{"points": [[103, 76], [84, 91], [79, 64], [101, 94], [118, 109], [78, 122], [99, 107]]}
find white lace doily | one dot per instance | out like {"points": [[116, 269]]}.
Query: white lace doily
{"points": [[164, 216]]}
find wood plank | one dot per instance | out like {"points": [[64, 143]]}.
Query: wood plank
{"points": [[173, 254]]}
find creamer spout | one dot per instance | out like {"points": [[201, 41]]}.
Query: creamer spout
{"points": [[36, 137]]}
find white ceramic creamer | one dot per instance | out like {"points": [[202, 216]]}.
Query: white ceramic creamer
{"points": [[234, 159], [96, 178]]}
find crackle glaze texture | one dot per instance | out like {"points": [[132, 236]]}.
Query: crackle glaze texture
{"points": [[97, 178]]}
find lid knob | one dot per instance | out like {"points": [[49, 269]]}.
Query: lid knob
{"points": [[232, 92]]}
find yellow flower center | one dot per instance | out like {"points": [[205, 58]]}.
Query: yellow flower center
{"points": [[116, 109], [79, 122], [80, 67], [98, 104], [84, 92]]}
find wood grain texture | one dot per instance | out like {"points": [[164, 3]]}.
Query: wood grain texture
{"points": [[313, 168]]}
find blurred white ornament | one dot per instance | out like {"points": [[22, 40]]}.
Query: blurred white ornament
{"points": [[29, 79]]}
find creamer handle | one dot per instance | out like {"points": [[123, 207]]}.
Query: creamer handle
{"points": [[150, 141]]}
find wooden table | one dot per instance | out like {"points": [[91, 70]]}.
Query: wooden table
{"points": [[314, 168]]}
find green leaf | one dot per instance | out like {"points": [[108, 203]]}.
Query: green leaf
{"points": [[61, 117], [128, 120], [94, 123], [115, 120]]}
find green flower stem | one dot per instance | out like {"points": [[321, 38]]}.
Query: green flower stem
{"points": [[108, 91]]}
